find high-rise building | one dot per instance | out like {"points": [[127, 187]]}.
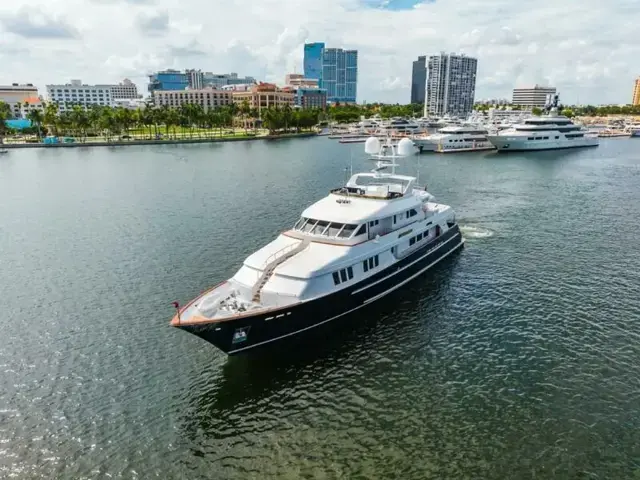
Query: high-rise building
{"points": [[451, 84], [419, 80], [335, 69], [312, 63], [535, 96], [168, 80], [340, 74], [195, 79], [636, 93]]}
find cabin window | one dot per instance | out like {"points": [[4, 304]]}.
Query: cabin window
{"points": [[347, 231], [365, 266], [412, 240], [374, 223], [371, 263], [394, 219], [350, 272], [376, 260], [309, 225], [557, 137], [333, 229], [319, 227], [419, 237], [336, 278], [530, 138], [411, 213], [361, 230], [343, 275], [545, 138]]}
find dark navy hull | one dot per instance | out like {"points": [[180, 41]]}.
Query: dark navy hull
{"points": [[246, 333]]}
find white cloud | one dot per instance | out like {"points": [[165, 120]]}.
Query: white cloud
{"points": [[587, 48]]}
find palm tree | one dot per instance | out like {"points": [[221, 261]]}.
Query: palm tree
{"points": [[80, 120], [36, 117], [245, 110], [51, 110]]}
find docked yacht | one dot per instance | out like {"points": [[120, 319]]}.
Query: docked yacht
{"points": [[547, 132], [464, 138], [399, 126], [366, 126], [361, 242]]}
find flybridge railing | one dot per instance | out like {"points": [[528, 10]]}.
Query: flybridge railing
{"points": [[283, 251]]}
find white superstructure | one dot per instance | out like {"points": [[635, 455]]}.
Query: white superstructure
{"points": [[340, 240], [399, 125], [467, 137], [547, 132]]}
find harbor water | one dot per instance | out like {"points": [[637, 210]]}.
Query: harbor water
{"points": [[517, 358]]}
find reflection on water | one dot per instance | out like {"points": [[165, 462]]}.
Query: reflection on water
{"points": [[517, 358]]}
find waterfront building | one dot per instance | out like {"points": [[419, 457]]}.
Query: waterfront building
{"points": [[15, 95], [264, 95], [168, 80], [126, 90], [536, 96], [310, 97], [218, 80], [306, 90], [419, 80], [451, 84], [77, 93], [208, 98], [195, 79], [636, 93]]}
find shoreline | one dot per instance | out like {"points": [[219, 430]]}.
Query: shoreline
{"points": [[126, 143]]}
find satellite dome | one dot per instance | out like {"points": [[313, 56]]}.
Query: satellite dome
{"points": [[405, 147], [372, 146]]}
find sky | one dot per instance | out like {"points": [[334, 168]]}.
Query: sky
{"points": [[588, 49]]}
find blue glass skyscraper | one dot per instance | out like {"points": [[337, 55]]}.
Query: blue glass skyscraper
{"points": [[335, 69], [312, 63]]}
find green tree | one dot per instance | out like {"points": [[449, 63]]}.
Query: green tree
{"points": [[536, 111], [36, 117]]}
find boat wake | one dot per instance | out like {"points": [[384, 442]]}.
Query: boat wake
{"points": [[469, 231]]}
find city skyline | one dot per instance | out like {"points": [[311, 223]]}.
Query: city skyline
{"points": [[55, 40]]}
